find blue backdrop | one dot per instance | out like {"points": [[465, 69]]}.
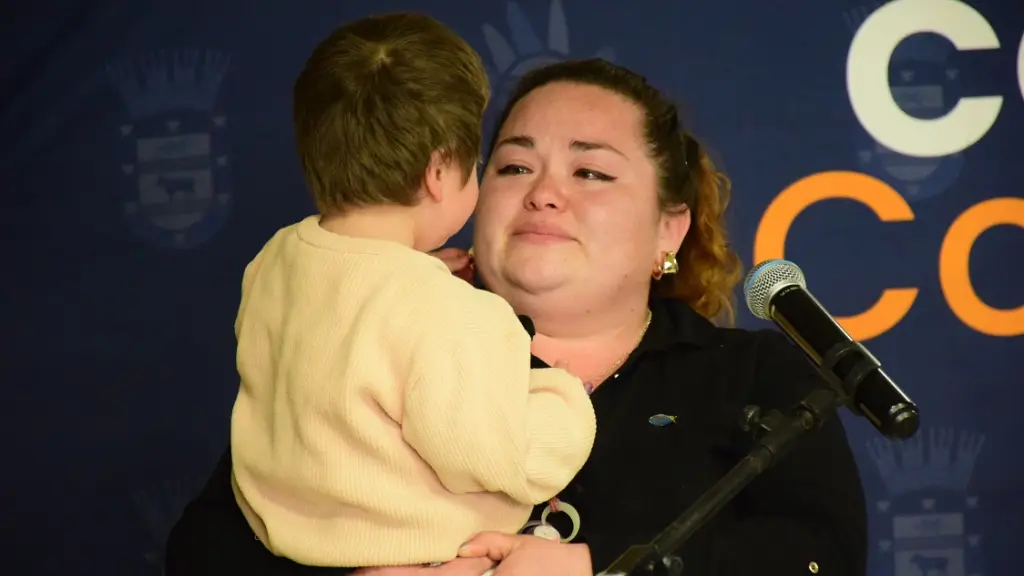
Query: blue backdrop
{"points": [[147, 155]]}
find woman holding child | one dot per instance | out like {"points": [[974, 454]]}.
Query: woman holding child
{"points": [[601, 220]]}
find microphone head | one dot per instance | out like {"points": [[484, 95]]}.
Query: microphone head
{"points": [[765, 280]]}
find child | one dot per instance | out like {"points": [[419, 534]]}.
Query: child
{"points": [[387, 410]]}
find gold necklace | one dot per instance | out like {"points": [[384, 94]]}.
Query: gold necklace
{"points": [[589, 385]]}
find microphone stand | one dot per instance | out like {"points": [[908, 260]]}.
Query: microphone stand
{"points": [[775, 434]]}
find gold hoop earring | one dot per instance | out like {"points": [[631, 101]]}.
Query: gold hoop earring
{"points": [[669, 265]]}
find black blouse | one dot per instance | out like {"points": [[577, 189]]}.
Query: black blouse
{"points": [[809, 509]]}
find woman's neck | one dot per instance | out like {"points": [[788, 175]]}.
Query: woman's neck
{"points": [[593, 343]]}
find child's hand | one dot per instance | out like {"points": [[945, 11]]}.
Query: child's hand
{"points": [[459, 261]]}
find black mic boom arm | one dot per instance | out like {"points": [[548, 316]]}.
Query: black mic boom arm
{"points": [[774, 434]]}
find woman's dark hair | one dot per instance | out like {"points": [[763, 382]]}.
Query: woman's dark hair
{"points": [[687, 180]]}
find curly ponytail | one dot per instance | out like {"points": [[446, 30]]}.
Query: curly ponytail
{"points": [[709, 269]]}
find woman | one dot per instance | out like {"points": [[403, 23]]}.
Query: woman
{"points": [[601, 220]]}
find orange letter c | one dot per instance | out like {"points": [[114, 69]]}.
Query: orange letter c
{"points": [[955, 273], [887, 204]]}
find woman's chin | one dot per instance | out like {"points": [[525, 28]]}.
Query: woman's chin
{"points": [[538, 274]]}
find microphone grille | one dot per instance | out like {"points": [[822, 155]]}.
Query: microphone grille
{"points": [[767, 278]]}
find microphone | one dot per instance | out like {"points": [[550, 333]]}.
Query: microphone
{"points": [[776, 290]]}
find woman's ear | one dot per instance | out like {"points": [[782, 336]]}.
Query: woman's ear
{"points": [[674, 225]]}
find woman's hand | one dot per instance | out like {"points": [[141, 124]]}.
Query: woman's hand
{"points": [[458, 261], [457, 567], [522, 555]]}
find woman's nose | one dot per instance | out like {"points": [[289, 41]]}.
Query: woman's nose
{"points": [[546, 194]]}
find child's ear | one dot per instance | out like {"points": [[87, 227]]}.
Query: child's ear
{"points": [[434, 176]]}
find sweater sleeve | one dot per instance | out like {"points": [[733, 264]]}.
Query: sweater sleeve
{"points": [[809, 507], [248, 277], [477, 413]]}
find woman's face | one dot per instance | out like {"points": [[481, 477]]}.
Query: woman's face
{"points": [[568, 201]]}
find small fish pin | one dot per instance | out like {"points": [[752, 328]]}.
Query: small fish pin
{"points": [[660, 420]]}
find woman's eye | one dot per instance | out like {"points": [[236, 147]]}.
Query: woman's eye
{"points": [[594, 175], [512, 170]]}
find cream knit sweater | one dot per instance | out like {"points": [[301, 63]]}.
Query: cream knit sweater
{"points": [[387, 410]]}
